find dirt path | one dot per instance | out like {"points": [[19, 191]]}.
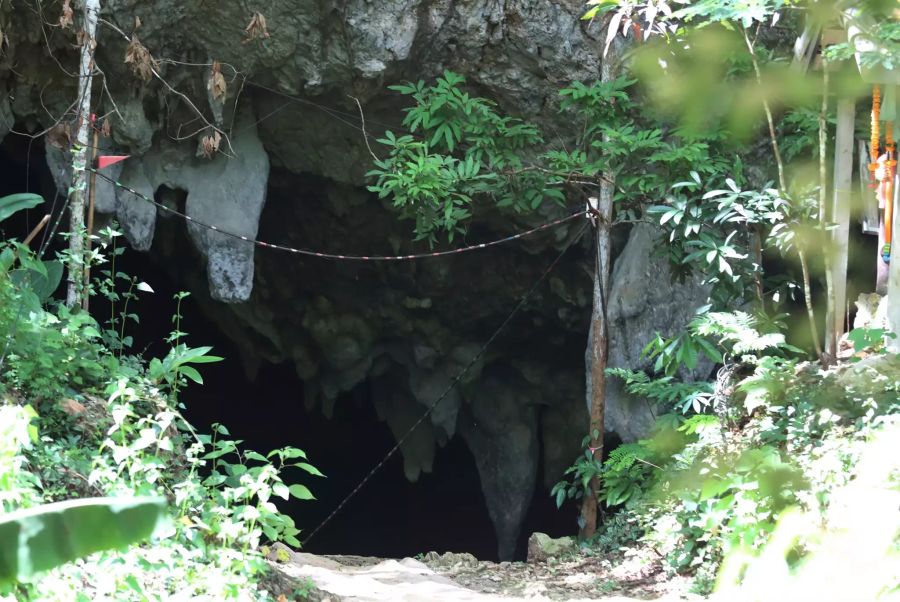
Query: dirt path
{"points": [[462, 578]]}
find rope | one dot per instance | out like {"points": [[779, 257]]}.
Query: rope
{"points": [[307, 252], [449, 387]]}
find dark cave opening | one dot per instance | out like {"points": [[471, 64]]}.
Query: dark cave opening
{"points": [[389, 516]]}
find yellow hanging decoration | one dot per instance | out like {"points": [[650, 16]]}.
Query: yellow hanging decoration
{"points": [[876, 134]]}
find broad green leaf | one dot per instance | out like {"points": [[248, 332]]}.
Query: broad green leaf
{"points": [[281, 490], [252, 455], [42, 283], [191, 373], [14, 203], [39, 539], [309, 468], [301, 492]]}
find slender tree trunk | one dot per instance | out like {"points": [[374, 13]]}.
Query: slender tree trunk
{"points": [[80, 151], [598, 341], [807, 297], [782, 187], [830, 332], [598, 353], [756, 249], [92, 191], [770, 120]]}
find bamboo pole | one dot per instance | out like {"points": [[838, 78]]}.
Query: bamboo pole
{"points": [[36, 230]]}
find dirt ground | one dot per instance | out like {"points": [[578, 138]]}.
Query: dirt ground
{"points": [[455, 577]]}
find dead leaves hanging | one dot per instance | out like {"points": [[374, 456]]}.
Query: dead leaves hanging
{"points": [[209, 145], [60, 136], [67, 16], [256, 28], [139, 59], [216, 85]]}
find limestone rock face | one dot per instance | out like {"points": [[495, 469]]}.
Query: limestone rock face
{"points": [[291, 170], [643, 301], [501, 429]]}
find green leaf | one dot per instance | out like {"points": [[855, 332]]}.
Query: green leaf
{"points": [[14, 203], [713, 487], [301, 492], [42, 282], [191, 373], [252, 455], [309, 468], [288, 453], [39, 539], [281, 490]]}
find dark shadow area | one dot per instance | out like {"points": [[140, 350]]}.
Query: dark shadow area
{"points": [[23, 168], [389, 516]]}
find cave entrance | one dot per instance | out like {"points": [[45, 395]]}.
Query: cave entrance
{"points": [[389, 517]]}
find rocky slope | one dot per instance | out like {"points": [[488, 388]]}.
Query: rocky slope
{"points": [[291, 170]]}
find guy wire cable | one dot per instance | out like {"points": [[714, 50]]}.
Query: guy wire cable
{"points": [[453, 383]]}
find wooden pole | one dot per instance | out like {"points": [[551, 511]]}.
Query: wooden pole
{"points": [[831, 313], [840, 207], [85, 300], [79, 156], [893, 285], [36, 230]]}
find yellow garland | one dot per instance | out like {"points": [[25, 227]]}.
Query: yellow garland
{"points": [[876, 135]]}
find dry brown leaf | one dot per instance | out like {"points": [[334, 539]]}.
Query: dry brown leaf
{"points": [[216, 85], [140, 59], [67, 16], [105, 128], [137, 22], [209, 144], [72, 407], [256, 28], [60, 136]]}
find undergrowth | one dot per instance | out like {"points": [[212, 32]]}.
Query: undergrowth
{"points": [[80, 418], [786, 439]]}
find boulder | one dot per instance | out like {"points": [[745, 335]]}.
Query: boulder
{"points": [[542, 547]]}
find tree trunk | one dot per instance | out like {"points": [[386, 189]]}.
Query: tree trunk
{"points": [[597, 355], [80, 150]]}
